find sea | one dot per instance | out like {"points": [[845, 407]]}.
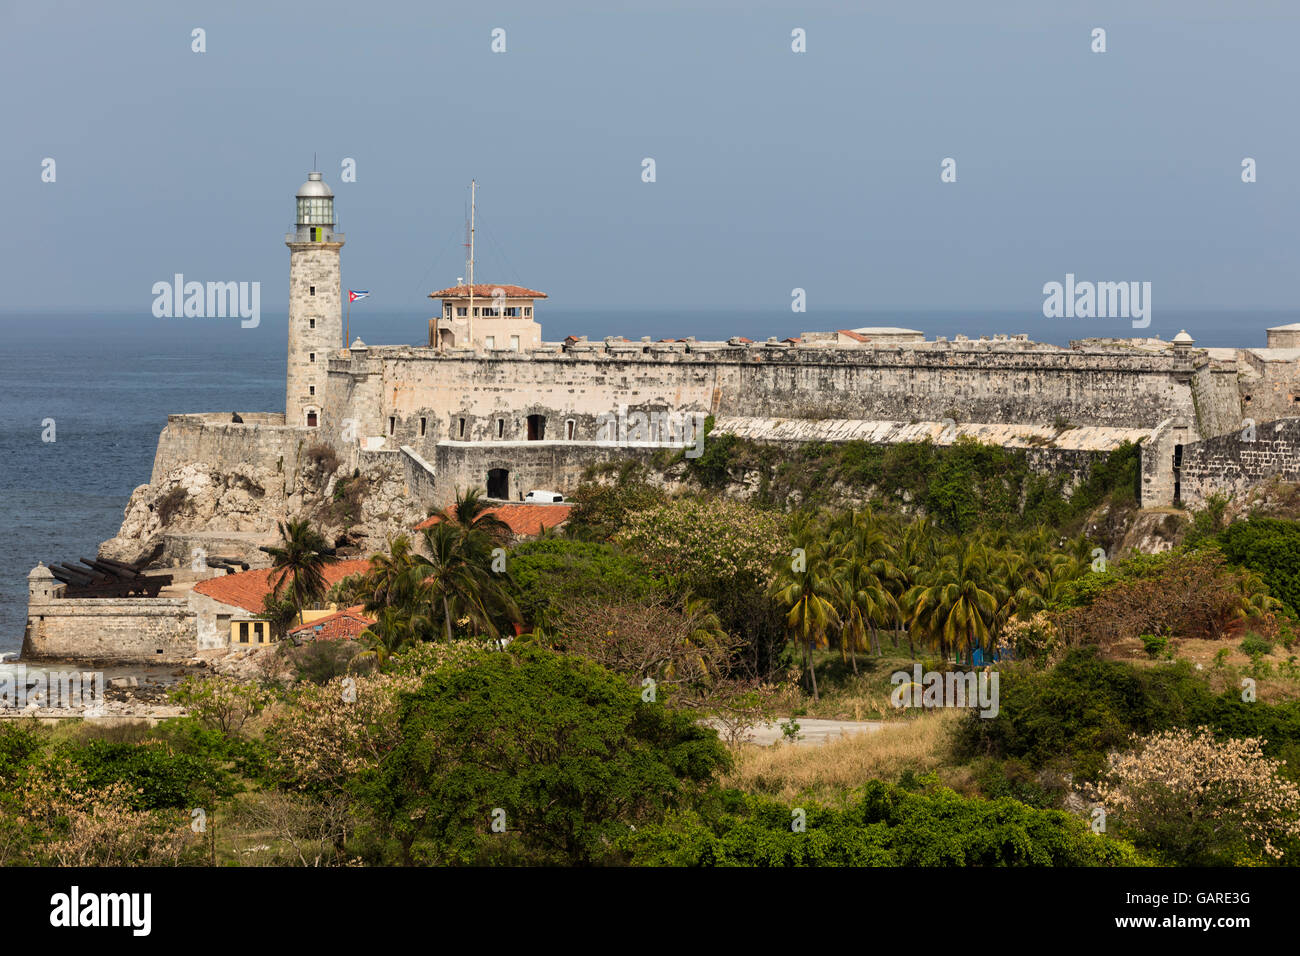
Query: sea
{"points": [[84, 395]]}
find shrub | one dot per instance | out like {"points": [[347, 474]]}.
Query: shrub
{"points": [[560, 754], [1184, 594], [1071, 717], [1252, 645], [1154, 644], [885, 826], [322, 457], [548, 575], [1199, 800], [1270, 546], [156, 776], [220, 703]]}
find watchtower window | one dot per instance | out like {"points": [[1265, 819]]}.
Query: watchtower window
{"points": [[461, 432], [311, 356], [311, 323], [536, 427], [568, 429], [422, 425], [311, 289], [392, 424], [501, 428], [311, 389]]}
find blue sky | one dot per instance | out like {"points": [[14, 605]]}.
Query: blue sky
{"points": [[775, 170]]}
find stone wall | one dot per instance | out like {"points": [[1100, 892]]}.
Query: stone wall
{"points": [[1235, 463], [161, 630], [419, 397], [421, 478], [213, 440], [550, 466]]}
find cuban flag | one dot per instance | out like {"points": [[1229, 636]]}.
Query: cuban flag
{"points": [[353, 296]]}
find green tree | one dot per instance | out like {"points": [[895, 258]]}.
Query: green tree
{"points": [[561, 755], [806, 587], [298, 561], [955, 607]]}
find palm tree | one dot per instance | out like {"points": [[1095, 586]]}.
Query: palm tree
{"points": [[393, 579], [299, 561], [808, 594], [458, 580], [955, 607], [1018, 584], [474, 519], [861, 569], [390, 633], [911, 562]]}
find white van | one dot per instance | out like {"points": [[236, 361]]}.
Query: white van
{"points": [[543, 497]]}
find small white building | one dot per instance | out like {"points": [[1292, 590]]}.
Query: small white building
{"points": [[879, 336], [486, 317], [1284, 336]]}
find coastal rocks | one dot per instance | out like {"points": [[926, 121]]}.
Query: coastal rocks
{"points": [[255, 664], [194, 498], [233, 512]]}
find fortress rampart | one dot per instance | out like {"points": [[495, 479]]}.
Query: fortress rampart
{"points": [[537, 414]]}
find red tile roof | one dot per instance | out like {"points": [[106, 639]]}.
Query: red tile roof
{"points": [[524, 520], [484, 290], [858, 336], [247, 588], [345, 625]]}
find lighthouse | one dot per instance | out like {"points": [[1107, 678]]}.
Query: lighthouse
{"points": [[315, 301]]}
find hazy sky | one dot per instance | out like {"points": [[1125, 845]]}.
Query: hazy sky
{"points": [[775, 170]]}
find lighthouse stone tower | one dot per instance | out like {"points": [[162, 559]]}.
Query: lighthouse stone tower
{"points": [[315, 302]]}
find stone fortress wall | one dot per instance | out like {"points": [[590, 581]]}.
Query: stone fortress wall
{"points": [[455, 415], [467, 413]]}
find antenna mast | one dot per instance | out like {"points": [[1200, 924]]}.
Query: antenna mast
{"points": [[473, 189]]}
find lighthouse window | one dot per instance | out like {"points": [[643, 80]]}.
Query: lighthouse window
{"points": [[311, 323], [312, 289], [311, 356], [311, 389]]}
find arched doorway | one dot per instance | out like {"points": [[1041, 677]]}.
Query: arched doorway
{"points": [[498, 483]]}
